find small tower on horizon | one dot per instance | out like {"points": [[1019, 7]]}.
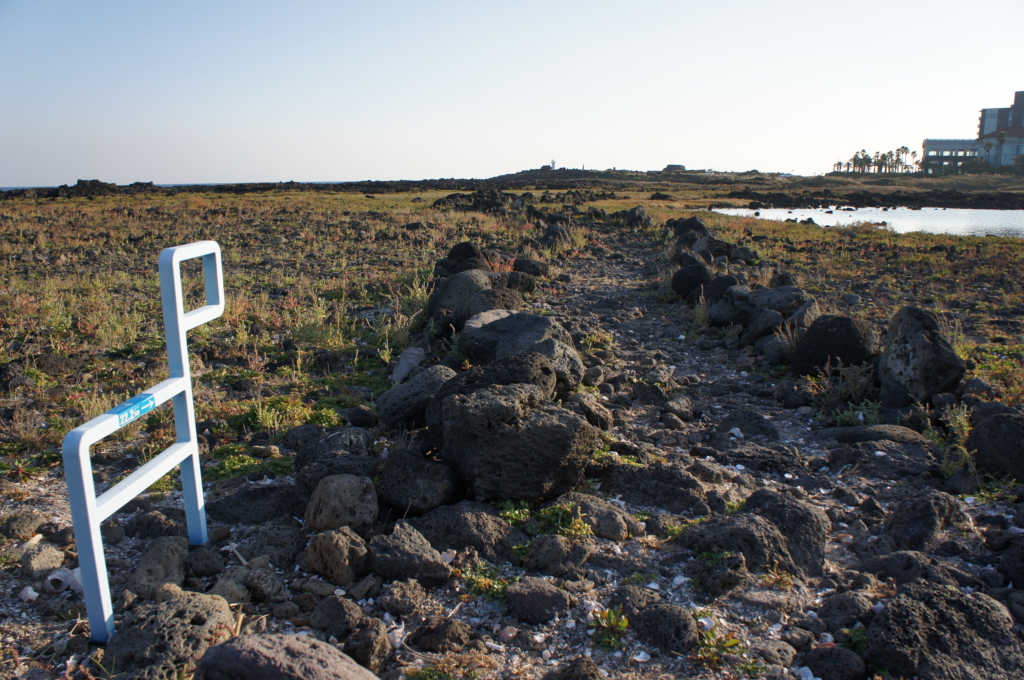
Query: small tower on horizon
{"points": [[553, 166]]}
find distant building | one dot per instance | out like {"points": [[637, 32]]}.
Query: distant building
{"points": [[1000, 133], [993, 120], [947, 155], [674, 168], [1001, 147]]}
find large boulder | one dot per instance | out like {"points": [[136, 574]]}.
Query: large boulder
{"points": [[405, 553], [690, 277], [522, 333], [471, 525], [785, 300], [505, 442], [406, 403], [805, 526], [760, 540], [918, 357], [278, 657], [342, 500], [164, 562], [832, 339], [935, 632], [914, 523], [668, 627], [762, 322], [998, 443], [457, 289], [637, 218], [907, 566], [663, 485], [352, 441], [485, 301], [340, 556], [415, 485], [536, 601], [530, 368], [155, 641], [681, 226]]}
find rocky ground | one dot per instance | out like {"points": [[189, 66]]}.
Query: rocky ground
{"points": [[670, 461]]}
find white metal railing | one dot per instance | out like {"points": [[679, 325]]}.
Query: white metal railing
{"points": [[89, 510]]}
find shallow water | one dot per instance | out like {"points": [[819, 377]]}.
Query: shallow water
{"points": [[934, 220]]}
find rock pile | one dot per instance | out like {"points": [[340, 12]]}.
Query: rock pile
{"points": [[539, 476]]}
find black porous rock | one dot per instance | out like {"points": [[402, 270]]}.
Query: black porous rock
{"points": [[155, 640], [504, 442], [805, 526], [522, 333], [153, 524], [834, 663], [935, 632], [485, 301], [257, 504], [455, 290], [762, 543], [405, 553], [441, 634], [916, 522], [355, 441], [998, 443], [831, 339], [919, 357], [530, 368], [369, 646], [689, 278], [280, 542], [535, 601], [471, 525], [1011, 564], [278, 657], [404, 404], [633, 599], [665, 485], [337, 616], [415, 485], [907, 567], [668, 627], [580, 669]]}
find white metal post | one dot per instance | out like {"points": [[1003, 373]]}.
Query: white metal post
{"points": [[88, 510]]}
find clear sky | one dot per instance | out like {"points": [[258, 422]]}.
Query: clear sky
{"points": [[304, 90]]}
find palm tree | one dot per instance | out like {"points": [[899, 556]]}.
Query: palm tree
{"points": [[988, 149], [1000, 140]]}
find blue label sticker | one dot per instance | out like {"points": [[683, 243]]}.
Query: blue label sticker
{"points": [[133, 408]]}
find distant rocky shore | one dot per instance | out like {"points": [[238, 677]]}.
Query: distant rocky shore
{"points": [[827, 198]]}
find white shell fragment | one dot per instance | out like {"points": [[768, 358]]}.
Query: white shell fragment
{"points": [[736, 432], [60, 580], [449, 555], [397, 636], [641, 657], [706, 623], [28, 595]]}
